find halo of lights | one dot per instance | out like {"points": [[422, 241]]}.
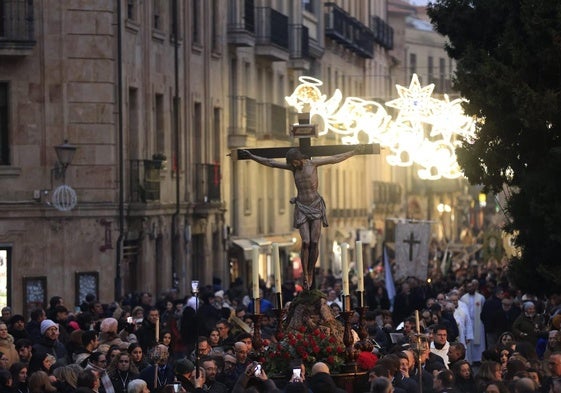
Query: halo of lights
{"points": [[425, 131]]}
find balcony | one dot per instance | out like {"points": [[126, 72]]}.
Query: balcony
{"points": [[241, 23], [243, 120], [299, 47], [348, 31], [207, 183], [271, 35], [17, 36], [144, 181], [272, 121], [383, 33]]}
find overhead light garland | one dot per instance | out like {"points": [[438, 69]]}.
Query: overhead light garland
{"points": [[425, 131]]}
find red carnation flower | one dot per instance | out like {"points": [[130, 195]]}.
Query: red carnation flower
{"points": [[330, 359], [366, 360], [302, 329]]}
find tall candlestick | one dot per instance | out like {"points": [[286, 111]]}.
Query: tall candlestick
{"points": [[359, 266], [417, 322], [277, 269], [157, 330], [255, 259], [345, 267]]}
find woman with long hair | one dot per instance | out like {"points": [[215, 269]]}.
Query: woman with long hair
{"points": [[463, 373], [41, 361], [39, 382], [19, 377], [489, 371], [214, 338], [121, 371], [137, 356], [67, 377]]}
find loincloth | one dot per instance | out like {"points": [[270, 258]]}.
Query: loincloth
{"points": [[305, 213]]}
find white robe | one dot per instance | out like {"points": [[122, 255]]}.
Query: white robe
{"points": [[443, 353], [474, 305], [465, 327]]}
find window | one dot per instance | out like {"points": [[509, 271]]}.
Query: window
{"points": [[442, 74], [198, 132], [4, 125], [157, 17], [217, 133], [216, 27], [196, 25], [159, 129], [308, 5], [134, 124], [430, 69], [5, 274], [412, 65], [131, 9]]}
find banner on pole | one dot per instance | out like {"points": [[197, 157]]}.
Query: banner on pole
{"points": [[412, 250]]}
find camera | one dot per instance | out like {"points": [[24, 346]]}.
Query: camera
{"points": [[296, 374], [257, 371]]}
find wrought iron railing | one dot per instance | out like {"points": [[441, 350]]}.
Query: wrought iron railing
{"points": [[348, 31], [272, 27], [299, 42]]}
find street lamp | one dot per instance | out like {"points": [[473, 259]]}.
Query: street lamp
{"points": [[65, 154]]}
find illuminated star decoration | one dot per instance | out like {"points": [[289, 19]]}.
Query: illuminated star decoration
{"points": [[425, 132]]}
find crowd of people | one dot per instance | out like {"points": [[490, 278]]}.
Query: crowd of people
{"points": [[458, 335]]}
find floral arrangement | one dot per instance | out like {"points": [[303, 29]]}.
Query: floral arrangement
{"points": [[307, 346]]}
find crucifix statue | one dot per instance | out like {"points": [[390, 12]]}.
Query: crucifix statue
{"points": [[310, 210]]}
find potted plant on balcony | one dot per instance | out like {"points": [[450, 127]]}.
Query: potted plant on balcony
{"points": [[159, 160]]}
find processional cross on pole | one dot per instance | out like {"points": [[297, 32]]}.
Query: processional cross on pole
{"points": [[310, 230]]}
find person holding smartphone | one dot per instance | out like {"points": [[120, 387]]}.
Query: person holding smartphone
{"points": [[255, 375]]}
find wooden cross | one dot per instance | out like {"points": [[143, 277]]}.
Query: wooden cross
{"points": [[305, 146], [411, 241]]}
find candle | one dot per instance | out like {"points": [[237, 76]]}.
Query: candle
{"points": [[359, 266], [417, 323], [345, 267], [277, 269], [255, 255], [158, 330]]}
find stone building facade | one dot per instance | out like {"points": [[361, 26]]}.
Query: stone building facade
{"points": [[154, 95]]}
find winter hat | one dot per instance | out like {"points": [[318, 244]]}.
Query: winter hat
{"points": [[109, 325], [183, 366], [46, 324]]}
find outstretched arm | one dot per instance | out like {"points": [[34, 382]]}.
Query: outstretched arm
{"points": [[337, 157], [266, 161]]}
